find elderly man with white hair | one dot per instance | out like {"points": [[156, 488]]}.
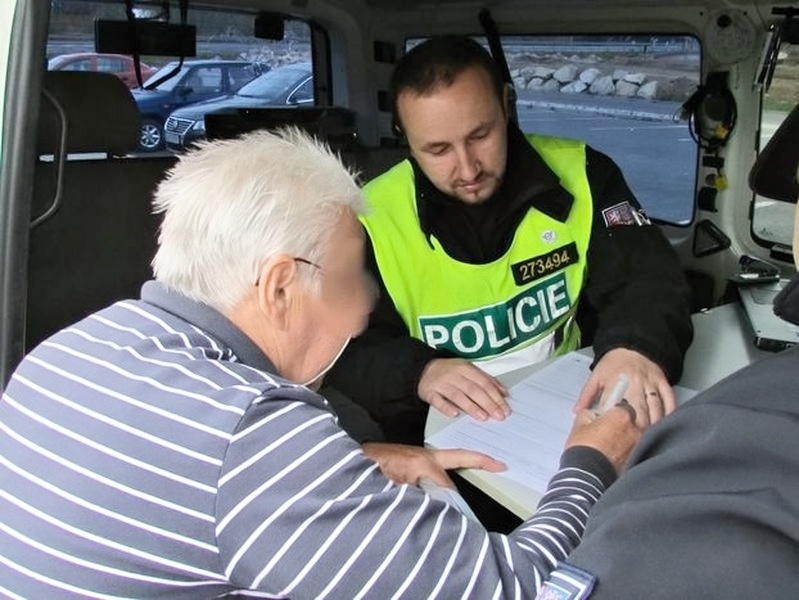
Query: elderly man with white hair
{"points": [[172, 446]]}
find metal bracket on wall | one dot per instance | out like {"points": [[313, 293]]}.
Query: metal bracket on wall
{"points": [[709, 239]]}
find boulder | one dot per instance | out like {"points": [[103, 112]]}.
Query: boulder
{"points": [[679, 89], [566, 74], [603, 86], [542, 72], [649, 90], [589, 75], [636, 78], [575, 87], [535, 83], [551, 85], [626, 89]]}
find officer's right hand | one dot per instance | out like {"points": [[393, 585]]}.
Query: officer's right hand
{"points": [[613, 433], [452, 385]]}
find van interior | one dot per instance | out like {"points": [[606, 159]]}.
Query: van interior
{"points": [[683, 95]]}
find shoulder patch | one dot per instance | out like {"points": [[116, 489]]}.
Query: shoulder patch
{"points": [[567, 582], [624, 213]]}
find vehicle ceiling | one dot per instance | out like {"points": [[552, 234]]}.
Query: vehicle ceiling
{"points": [[475, 5], [561, 4], [459, 15]]}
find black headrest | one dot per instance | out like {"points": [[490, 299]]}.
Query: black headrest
{"points": [[100, 113], [774, 172]]}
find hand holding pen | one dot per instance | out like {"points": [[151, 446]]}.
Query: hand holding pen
{"points": [[625, 375], [616, 398], [616, 394]]}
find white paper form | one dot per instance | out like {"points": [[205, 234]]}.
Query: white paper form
{"points": [[530, 440]]}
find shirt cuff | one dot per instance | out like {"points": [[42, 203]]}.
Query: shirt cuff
{"points": [[591, 460]]}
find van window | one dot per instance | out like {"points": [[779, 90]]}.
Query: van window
{"points": [[228, 57], [772, 220], [621, 94]]}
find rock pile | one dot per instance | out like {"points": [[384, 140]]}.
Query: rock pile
{"points": [[570, 78]]}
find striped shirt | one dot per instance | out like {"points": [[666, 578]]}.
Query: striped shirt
{"points": [[151, 451]]}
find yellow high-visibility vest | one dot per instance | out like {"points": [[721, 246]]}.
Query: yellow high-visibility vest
{"points": [[503, 314]]}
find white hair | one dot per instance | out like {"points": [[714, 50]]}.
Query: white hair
{"points": [[231, 205]]}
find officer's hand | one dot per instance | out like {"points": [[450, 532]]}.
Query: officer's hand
{"points": [[410, 464], [455, 384], [613, 433], [648, 390]]}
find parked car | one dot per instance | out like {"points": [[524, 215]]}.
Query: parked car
{"points": [[120, 65], [196, 80], [288, 85]]}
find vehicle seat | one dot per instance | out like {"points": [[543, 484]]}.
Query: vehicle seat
{"points": [[92, 231], [774, 173]]}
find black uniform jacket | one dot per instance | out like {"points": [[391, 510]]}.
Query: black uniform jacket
{"points": [[636, 295]]}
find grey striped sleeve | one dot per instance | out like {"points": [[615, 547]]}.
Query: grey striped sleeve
{"points": [[139, 458], [303, 513]]}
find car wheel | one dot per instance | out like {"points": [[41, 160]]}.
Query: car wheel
{"points": [[151, 135]]}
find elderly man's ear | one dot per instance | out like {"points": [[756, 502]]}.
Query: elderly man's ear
{"points": [[277, 289]]}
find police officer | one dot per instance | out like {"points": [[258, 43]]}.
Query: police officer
{"points": [[494, 249]]}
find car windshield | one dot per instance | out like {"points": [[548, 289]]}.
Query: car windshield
{"points": [[272, 84], [169, 84]]}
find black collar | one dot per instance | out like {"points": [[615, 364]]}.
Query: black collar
{"points": [[529, 183]]}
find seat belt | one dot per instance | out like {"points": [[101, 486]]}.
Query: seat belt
{"points": [[498, 54]]}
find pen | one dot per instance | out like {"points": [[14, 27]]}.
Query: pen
{"points": [[617, 393]]}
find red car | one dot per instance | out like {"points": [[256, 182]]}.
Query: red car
{"points": [[118, 64]]}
